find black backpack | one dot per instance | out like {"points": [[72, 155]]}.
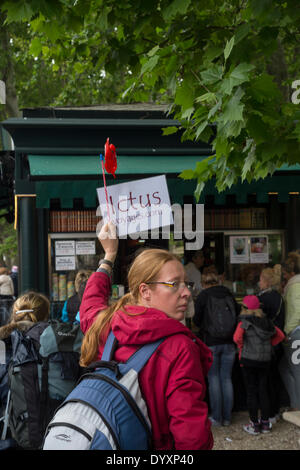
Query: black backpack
{"points": [[43, 370], [220, 317]]}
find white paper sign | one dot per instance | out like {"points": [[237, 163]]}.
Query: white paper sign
{"points": [[85, 247], [259, 249], [64, 247], [239, 250], [137, 206], [64, 263]]}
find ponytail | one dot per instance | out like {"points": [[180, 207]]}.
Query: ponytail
{"points": [[29, 308], [99, 330]]}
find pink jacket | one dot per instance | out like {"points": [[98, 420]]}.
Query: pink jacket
{"points": [[172, 381]]}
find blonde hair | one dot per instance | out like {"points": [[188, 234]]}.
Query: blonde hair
{"points": [[30, 307], [271, 276], [4, 270], [255, 312], [81, 277], [145, 268]]}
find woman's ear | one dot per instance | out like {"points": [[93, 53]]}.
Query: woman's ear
{"points": [[145, 292]]}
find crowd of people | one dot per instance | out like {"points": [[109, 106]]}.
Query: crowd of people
{"points": [[187, 382], [265, 337]]}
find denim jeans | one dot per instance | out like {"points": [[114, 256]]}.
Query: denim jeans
{"points": [[220, 383]]}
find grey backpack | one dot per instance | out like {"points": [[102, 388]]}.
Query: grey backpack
{"points": [[43, 370]]}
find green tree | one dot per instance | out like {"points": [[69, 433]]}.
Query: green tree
{"points": [[225, 67], [8, 241]]}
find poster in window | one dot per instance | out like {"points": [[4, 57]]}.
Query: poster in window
{"points": [[239, 250], [64, 263], [86, 247], [65, 247], [259, 249]]}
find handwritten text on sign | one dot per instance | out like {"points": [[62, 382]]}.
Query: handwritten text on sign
{"points": [[137, 206]]}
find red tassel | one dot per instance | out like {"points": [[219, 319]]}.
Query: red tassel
{"points": [[110, 158]]}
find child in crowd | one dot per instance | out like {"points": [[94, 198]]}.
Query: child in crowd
{"points": [[255, 335]]}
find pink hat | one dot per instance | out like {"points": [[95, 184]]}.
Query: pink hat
{"points": [[251, 302]]}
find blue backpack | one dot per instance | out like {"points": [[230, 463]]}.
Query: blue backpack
{"points": [[106, 410]]}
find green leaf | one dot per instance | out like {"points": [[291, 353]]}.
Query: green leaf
{"points": [[233, 111], [228, 48], [17, 11], [153, 51], [241, 32], [150, 64], [263, 88], [249, 161], [230, 129], [170, 130], [212, 52], [201, 166], [212, 75], [206, 97], [184, 95], [187, 113], [177, 6], [79, 67], [52, 30], [241, 72], [200, 129], [214, 109], [238, 76], [35, 47], [199, 189], [187, 174]]}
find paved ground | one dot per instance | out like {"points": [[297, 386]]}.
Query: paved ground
{"points": [[284, 436]]}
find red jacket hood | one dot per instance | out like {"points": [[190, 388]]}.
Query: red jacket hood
{"points": [[141, 325]]}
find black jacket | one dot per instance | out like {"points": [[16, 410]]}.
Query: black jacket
{"points": [[200, 311], [272, 305]]}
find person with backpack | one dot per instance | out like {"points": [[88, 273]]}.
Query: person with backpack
{"points": [[272, 304], [172, 382], [216, 316], [41, 368], [255, 335], [71, 306], [27, 310]]}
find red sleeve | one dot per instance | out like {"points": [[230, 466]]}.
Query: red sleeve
{"points": [[187, 409], [95, 299], [238, 337], [278, 337]]}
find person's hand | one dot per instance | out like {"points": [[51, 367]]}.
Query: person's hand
{"points": [[109, 240]]}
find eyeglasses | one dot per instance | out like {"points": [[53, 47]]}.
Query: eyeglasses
{"points": [[175, 285]]}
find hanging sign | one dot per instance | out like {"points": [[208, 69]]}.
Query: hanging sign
{"points": [[65, 263], [137, 206], [85, 247], [64, 247]]}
